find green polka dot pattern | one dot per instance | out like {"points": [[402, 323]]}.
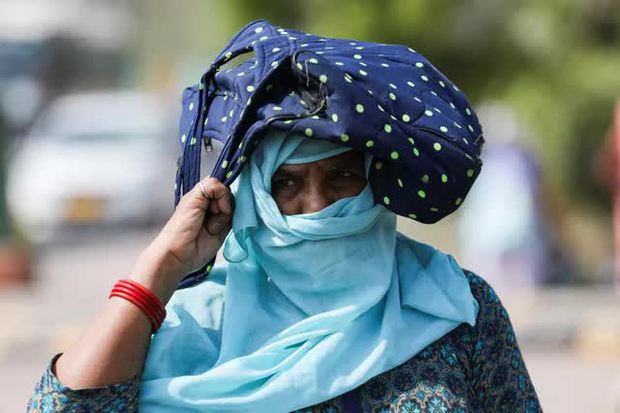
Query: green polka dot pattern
{"points": [[387, 100]]}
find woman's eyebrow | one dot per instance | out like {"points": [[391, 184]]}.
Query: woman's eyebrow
{"points": [[283, 171], [345, 163]]}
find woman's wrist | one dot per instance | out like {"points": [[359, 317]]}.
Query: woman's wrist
{"points": [[157, 272]]}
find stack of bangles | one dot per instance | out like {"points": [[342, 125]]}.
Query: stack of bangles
{"points": [[142, 298]]}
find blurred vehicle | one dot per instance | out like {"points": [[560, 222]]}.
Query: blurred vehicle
{"points": [[94, 158], [47, 48]]}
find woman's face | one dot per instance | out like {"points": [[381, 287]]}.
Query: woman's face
{"points": [[310, 187]]}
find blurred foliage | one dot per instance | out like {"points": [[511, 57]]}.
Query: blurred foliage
{"points": [[557, 62]]}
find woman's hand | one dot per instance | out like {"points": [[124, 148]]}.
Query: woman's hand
{"points": [[114, 347], [188, 240]]}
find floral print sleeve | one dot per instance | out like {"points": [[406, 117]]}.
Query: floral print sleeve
{"points": [[50, 395], [500, 381], [471, 369]]}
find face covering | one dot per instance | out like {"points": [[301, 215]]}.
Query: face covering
{"points": [[306, 307]]}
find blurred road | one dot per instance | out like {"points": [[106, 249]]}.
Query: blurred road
{"points": [[71, 284], [570, 338]]}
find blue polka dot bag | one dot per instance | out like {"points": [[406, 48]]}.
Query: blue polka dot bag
{"points": [[384, 99]]}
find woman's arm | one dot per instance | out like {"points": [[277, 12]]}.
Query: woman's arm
{"points": [[114, 347]]}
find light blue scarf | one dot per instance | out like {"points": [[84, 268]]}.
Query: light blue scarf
{"points": [[307, 306]]}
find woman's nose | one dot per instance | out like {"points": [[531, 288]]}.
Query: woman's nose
{"points": [[316, 197]]}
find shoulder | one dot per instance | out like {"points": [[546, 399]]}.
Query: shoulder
{"points": [[479, 286], [493, 347], [488, 300], [499, 377]]}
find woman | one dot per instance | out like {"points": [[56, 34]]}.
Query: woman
{"points": [[320, 304]]}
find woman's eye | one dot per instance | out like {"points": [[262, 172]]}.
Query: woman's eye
{"points": [[347, 174], [283, 183]]}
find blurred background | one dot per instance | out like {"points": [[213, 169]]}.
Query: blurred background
{"points": [[90, 92]]}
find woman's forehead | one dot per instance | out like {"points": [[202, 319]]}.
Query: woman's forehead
{"points": [[347, 159]]}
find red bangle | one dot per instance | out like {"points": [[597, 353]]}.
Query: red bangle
{"points": [[153, 307], [145, 291], [134, 300], [136, 297], [142, 298], [156, 307], [151, 300], [143, 303]]}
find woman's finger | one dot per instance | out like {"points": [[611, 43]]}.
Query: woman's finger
{"points": [[214, 190], [214, 208], [222, 198], [209, 191], [219, 204], [216, 224], [226, 203]]}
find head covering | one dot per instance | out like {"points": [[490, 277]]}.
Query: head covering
{"points": [[387, 100], [310, 150], [307, 306]]}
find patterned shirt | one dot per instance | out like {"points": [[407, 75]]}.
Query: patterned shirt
{"points": [[470, 369]]}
